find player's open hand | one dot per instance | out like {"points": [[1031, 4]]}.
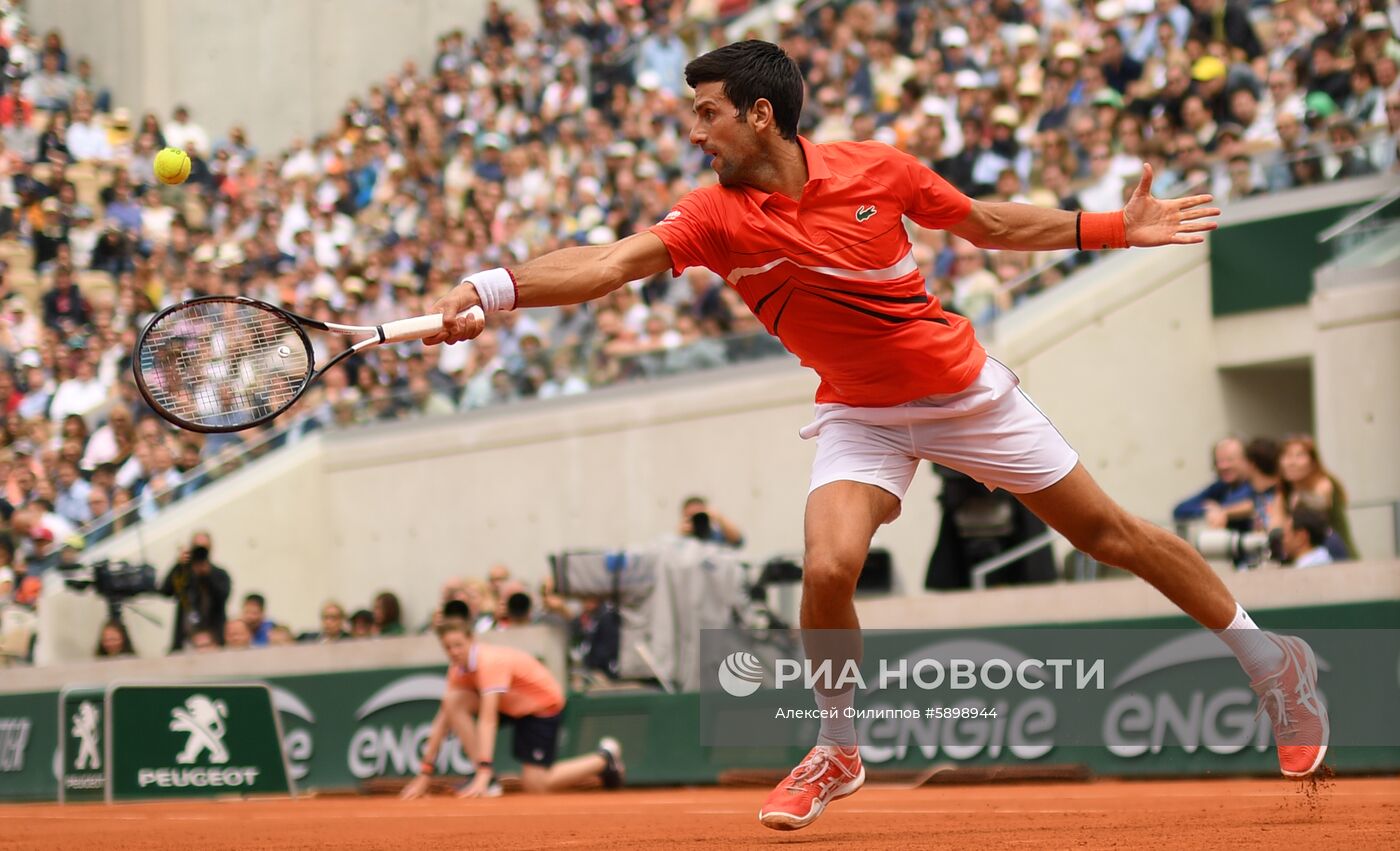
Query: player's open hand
{"points": [[416, 788], [1152, 221], [458, 322]]}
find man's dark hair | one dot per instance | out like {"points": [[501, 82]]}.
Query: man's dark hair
{"points": [[751, 70], [456, 609], [362, 617], [1311, 521], [1262, 453], [518, 605], [256, 598]]}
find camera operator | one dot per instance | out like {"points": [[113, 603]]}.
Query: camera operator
{"points": [[201, 591], [698, 521]]}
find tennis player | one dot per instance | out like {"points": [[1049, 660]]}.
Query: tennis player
{"points": [[813, 238], [487, 685]]}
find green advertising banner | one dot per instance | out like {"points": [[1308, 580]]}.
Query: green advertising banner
{"points": [[82, 752], [340, 729], [192, 741], [28, 746]]}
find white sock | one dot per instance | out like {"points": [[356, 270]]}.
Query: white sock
{"points": [[1259, 656], [838, 728]]}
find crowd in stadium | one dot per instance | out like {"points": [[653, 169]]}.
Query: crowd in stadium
{"points": [[203, 595], [530, 135]]}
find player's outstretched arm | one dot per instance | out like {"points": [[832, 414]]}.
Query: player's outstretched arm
{"points": [[487, 722], [419, 785], [1145, 221], [566, 276]]}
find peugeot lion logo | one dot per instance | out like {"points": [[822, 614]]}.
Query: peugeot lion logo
{"points": [[740, 674], [85, 722], [203, 720]]}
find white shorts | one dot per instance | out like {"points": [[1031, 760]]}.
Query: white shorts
{"points": [[991, 431]]}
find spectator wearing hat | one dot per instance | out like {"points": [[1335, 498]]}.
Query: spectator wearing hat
{"points": [[955, 54], [1210, 74], [50, 235], [1000, 151]]}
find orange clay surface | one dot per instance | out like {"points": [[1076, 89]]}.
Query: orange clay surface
{"points": [[1347, 814]]}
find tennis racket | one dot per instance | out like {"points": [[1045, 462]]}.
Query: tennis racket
{"points": [[227, 363]]}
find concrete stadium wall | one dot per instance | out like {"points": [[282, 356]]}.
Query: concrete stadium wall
{"points": [[281, 68], [1358, 401]]}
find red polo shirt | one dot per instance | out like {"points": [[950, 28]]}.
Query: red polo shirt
{"points": [[833, 276]]}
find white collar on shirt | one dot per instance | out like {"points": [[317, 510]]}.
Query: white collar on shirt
{"points": [[1316, 557]]}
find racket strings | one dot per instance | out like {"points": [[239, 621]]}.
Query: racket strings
{"points": [[223, 364]]}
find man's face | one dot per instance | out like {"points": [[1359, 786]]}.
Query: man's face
{"points": [[1229, 460], [332, 621], [1244, 106], [236, 634], [252, 614], [1295, 541], [720, 132]]}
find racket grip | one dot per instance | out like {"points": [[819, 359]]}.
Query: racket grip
{"points": [[418, 327]]}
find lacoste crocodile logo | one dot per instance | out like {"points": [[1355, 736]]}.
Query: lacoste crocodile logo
{"points": [[865, 213]]}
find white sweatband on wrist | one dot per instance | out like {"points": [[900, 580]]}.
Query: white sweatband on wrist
{"points": [[496, 289]]}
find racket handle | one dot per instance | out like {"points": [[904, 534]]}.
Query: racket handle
{"points": [[418, 327]]}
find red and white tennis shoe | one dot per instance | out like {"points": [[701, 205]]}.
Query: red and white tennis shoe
{"points": [[1301, 727], [827, 774]]}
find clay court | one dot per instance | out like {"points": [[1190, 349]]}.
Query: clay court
{"points": [[1351, 813]]}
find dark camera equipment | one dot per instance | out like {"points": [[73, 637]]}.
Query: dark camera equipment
{"points": [[114, 581], [701, 527]]}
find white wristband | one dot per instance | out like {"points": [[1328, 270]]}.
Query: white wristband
{"points": [[495, 288]]}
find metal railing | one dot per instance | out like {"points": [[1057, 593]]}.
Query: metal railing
{"points": [[982, 570]]}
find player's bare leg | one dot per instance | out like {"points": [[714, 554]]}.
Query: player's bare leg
{"points": [[1078, 508], [1281, 669], [605, 766], [841, 519]]}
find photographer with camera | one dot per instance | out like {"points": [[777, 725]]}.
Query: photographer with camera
{"points": [[201, 591], [698, 521]]}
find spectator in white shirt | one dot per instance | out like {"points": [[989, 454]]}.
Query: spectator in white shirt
{"points": [[1304, 534], [81, 394], [182, 132], [87, 137]]}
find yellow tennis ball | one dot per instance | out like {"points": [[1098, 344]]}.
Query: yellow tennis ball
{"points": [[172, 166]]}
